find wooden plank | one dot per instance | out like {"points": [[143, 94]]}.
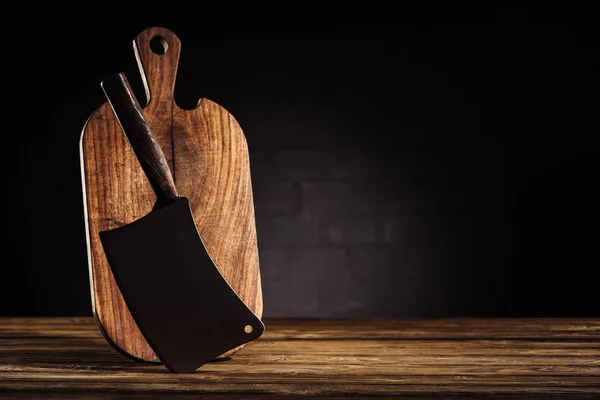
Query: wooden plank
{"points": [[375, 328], [70, 357], [439, 328]]}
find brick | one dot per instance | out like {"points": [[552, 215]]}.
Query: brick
{"points": [[272, 197], [342, 293], [347, 229], [353, 164], [301, 164], [406, 166], [436, 231], [406, 230], [273, 263], [261, 165], [293, 278], [365, 197], [301, 229], [399, 282]]}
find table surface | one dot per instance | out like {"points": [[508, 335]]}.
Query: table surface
{"points": [[309, 358]]}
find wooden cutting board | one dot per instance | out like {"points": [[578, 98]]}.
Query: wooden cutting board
{"points": [[208, 156]]}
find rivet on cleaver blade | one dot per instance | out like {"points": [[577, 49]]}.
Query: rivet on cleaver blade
{"points": [[183, 306]]}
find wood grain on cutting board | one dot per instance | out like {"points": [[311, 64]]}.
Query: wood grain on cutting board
{"points": [[208, 156]]}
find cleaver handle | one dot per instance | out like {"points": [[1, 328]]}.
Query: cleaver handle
{"points": [[144, 144]]}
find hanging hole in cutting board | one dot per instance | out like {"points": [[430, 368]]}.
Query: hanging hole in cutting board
{"points": [[159, 45], [248, 329]]}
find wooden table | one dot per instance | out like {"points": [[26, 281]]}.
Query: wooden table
{"points": [[295, 358]]}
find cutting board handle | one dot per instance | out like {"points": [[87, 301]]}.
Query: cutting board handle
{"points": [[157, 52]]}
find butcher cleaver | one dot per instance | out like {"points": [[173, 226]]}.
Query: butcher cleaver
{"points": [[183, 306]]}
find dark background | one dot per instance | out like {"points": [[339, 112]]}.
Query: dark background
{"points": [[411, 162]]}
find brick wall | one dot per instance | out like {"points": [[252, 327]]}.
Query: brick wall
{"points": [[351, 224]]}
